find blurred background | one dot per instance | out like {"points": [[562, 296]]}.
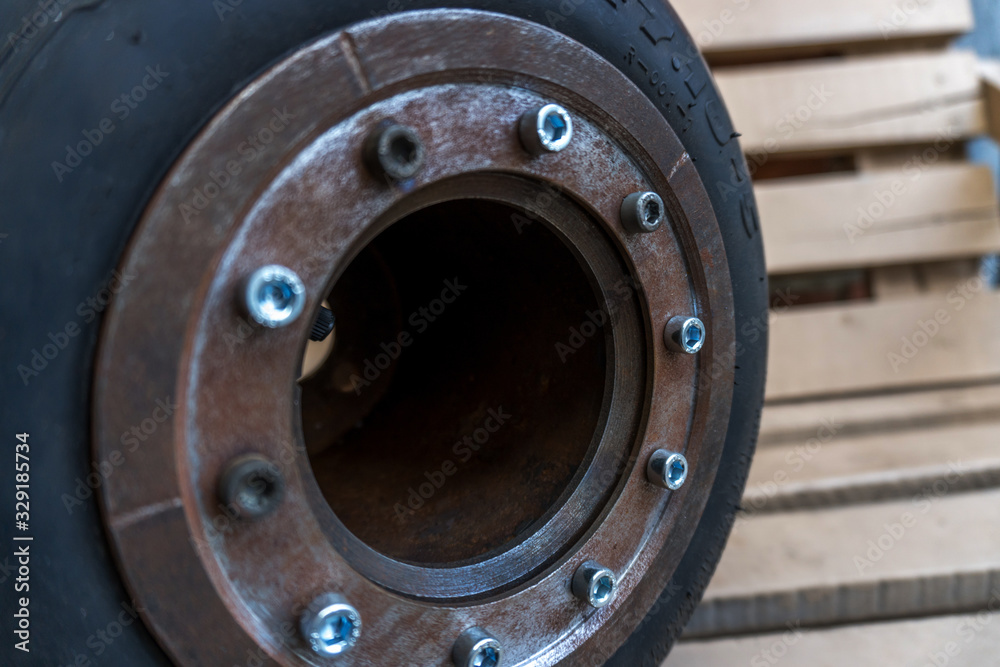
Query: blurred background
{"points": [[870, 531]]}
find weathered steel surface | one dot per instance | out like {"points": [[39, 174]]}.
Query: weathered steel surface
{"points": [[304, 200]]}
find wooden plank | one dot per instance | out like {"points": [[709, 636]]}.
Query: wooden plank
{"points": [[831, 105], [990, 71], [943, 276], [937, 553], [894, 282], [938, 339], [965, 640], [831, 469], [731, 27], [916, 214], [798, 422]]}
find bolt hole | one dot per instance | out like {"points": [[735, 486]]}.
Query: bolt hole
{"points": [[276, 299], [337, 632], [676, 472], [555, 127], [403, 151], [258, 492], [603, 589], [693, 336], [486, 657], [651, 213]]}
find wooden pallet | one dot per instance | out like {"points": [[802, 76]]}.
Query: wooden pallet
{"points": [[870, 533]]}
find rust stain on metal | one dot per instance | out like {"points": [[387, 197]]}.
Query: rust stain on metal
{"points": [[575, 491]]}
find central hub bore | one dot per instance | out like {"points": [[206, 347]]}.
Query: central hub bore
{"points": [[468, 327]]}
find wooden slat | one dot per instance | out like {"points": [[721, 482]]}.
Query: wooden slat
{"points": [[939, 554], [831, 469], [856, 102], [916, 214], [894, 282], [830, 350], [798, 422], [756, 27], [965, 640], [990, 71]]}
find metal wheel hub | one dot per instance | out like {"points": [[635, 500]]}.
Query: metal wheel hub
{"points": [[471, 462]]}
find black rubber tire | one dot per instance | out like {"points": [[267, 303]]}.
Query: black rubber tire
{"points": [[61, 240]]}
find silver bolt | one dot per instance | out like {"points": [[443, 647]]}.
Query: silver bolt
{"points": [[594, 584], [667, 469], [251, 486], [685, 334], [476, 648], [274, 296], [330, 625], [547, 129], [643, 212]]}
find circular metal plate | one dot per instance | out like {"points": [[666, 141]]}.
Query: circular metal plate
{"points": [[278, 178]]}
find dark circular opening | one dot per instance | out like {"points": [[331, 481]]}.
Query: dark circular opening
{"points": [[402, 150], [465, 387], [555, 127], [652, 212], [603, 589], [677, 472]]}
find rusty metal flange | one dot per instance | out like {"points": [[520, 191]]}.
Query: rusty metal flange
{"points": [[278, 178]]}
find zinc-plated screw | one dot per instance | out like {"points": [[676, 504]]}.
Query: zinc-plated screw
{"points": [[643, 212], [685, 334], [476, 648], [274, 296], [330, 625], [594, 584], [547, 129], [394, 151], [251, 486], [667, 469]]}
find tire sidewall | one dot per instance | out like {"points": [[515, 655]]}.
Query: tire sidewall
{"points": [[66, 231]]}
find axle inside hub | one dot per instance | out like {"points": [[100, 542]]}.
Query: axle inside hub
{"points": [[482, 421]]}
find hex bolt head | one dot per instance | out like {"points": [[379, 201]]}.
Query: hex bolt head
{"points": [[546, 129], [685, 334], [394, 152], [274, 296], [476, 648], [251, 486], [643, 212], [331, 625], [594, 584], [667, 469]]}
